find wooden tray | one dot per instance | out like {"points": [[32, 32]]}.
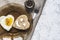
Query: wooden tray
{"points": [[17, 10]]}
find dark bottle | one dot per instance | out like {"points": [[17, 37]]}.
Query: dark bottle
{"points": [[29, 5]]}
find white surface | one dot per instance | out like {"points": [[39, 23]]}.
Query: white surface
{"points": [[48, 27]]}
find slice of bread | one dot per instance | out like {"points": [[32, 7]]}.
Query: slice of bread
{"points": [[21, 23]]}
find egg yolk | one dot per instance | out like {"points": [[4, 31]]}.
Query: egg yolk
{"points": [[9, 21]]}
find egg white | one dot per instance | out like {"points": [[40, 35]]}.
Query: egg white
{"points": [[1, 18], [3, 24]]}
